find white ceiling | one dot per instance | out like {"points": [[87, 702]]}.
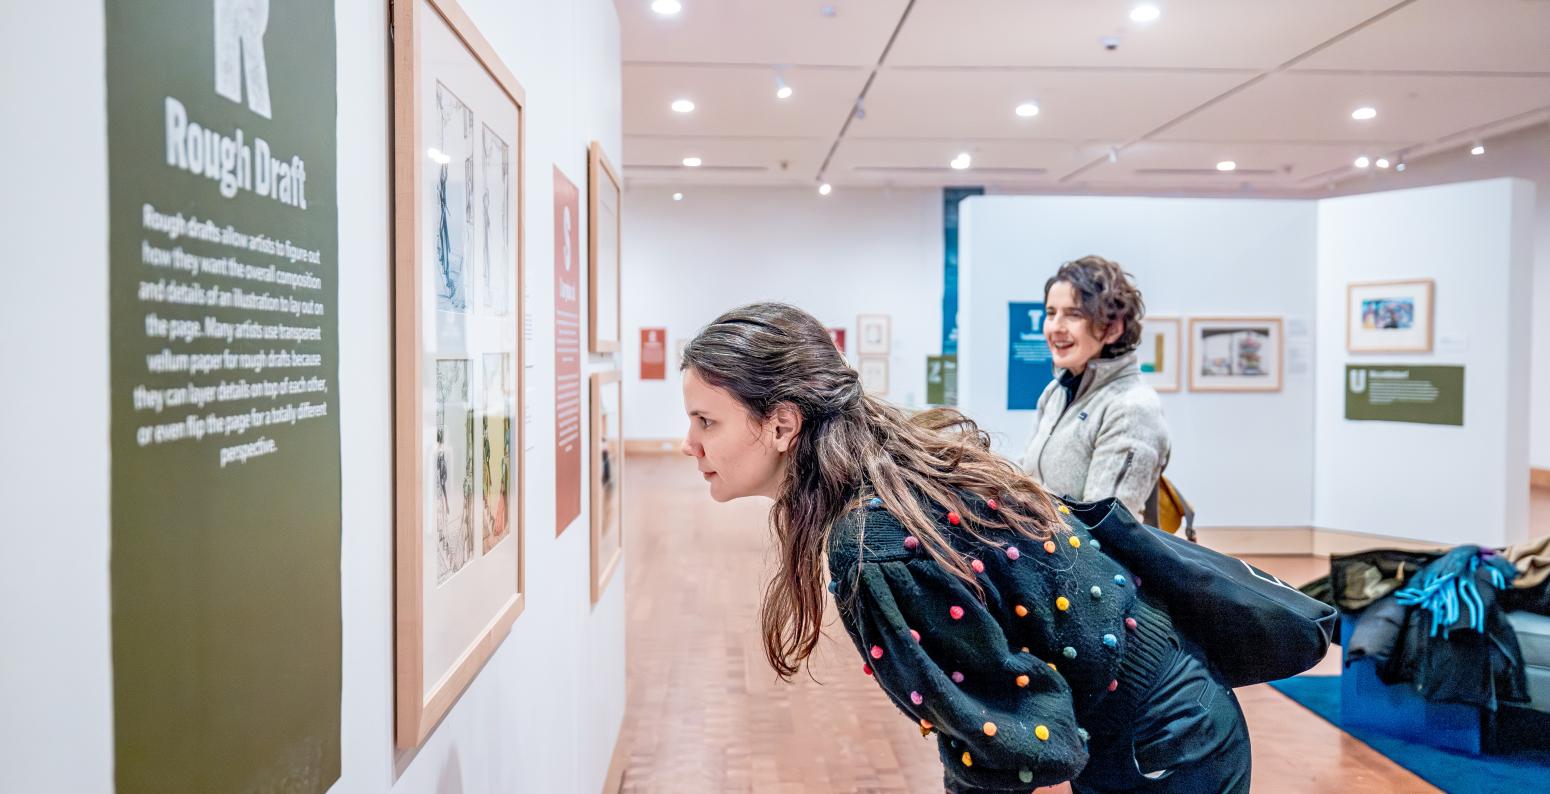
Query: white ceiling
{"points": [[1269, 84]]}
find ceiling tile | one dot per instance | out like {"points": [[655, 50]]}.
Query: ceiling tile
{"points": [[733, 101], [1449, 35], [759, 31]]}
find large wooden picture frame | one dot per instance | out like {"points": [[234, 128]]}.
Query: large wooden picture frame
{"points": [[1160, 353], [607, 478], [605, 199], [1390, 316], [1236, 354], [459, 143]]}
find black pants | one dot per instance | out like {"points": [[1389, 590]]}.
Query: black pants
{"points": [[1189, 736]]}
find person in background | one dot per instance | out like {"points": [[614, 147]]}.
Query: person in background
{"points": [[1100, 430], [984, 608]]}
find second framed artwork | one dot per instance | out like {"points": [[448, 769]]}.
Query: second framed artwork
{"points": [[1235, 354], [1158, 354], [605, 194], [1389, 316], [607, 479], [874, 335], [458, 175]]}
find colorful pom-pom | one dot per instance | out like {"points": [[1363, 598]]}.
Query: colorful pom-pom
{"points": [[1110, 640], [915, 635], [979, 567], [1025, 775], [956, 612], [1022, 681], [957, 677], [1049, 546], [992, 504], [917, 698], [834, 586], [1119, 579], [1062, 603], [1096, 545], [1042, 732], [866, 668], [954, 518], [1113, 685], [874, 503], [911, 542], [1130, 623], [1076, 542], [1096, 592], [1021, 610], [1068, 652], [967, 761], [1012, 553], [877, 651]]}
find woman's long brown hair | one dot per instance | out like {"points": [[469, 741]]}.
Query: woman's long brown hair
{"points": [[851, 446]]}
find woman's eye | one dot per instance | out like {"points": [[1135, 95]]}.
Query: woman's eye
{"points": [[704, 422]]}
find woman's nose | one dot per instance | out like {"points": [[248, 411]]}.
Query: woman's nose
{"points": [[688, 448]]}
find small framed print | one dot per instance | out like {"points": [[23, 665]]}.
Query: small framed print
{"points": [[1159, 353], [874, 375], [1389, 316], [607, 479], [874, 335], [1235, 354], [605, 195]]}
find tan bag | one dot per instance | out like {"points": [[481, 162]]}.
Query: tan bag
{"points": [[1173, 510]]}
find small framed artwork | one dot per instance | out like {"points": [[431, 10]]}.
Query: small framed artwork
{"points": [[1389, 316], [458, 375], [838, 337], [1235, 354], [874, 375], [874, 335], [604, 197], [607, 479], [1158, 353]]}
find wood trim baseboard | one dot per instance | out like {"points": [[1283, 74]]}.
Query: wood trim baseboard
{"points": [[651, 446], [1298, 541], [614, 782], [1539, 478]]}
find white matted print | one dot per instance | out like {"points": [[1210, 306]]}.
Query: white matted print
{"points": [[874, 335], [458, 372], [1235, 354], [1160, 355], [1389, 316], [607, 479], [874, 375]]}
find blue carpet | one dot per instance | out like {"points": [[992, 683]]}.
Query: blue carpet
{"points": [[1515, 770]]}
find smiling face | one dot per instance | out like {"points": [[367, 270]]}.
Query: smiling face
{"points": [[737, 453], [1073, 341]]}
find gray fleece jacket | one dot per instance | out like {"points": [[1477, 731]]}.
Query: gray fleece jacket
{"points": [[1110, 441]]}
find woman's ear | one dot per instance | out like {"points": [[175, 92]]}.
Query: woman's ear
{"points": [[786, 421], [1115, 330]]}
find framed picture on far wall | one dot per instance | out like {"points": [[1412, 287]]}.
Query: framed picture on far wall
{"points": [[458, 366], [1235, 353], [1159, 353], [874, 335], [605, 194], [607, 479], [1389, 316], [874, 375]]}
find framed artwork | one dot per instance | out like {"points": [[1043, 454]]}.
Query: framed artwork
{"points": [[1235, 353], [874, 334], [458, 174], [1158, 353], [874, 375], [604, 197], [1389, 316], [837, 335], [607, 479]]}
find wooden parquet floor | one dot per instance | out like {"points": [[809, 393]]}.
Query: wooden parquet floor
{"points": [[706, 714]]}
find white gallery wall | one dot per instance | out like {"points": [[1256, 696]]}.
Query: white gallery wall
{"points": [[544, 714], [1446, 484], [1524, 154], [853, 252], [1243, 460]]}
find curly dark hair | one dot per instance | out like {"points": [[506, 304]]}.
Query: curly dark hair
{"points": [[1107, 294]]}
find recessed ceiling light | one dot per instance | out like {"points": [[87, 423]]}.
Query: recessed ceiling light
{"points": [[824, 189], [692, 162], [1362, 162], [1227, 165], [783, 91], [1364, 113], [666, 8], [1382, 162], [1478, 150], [961, 162], [1146, 12], [683, 106], [1028, 110], [678, 197], [1399, 166]]}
